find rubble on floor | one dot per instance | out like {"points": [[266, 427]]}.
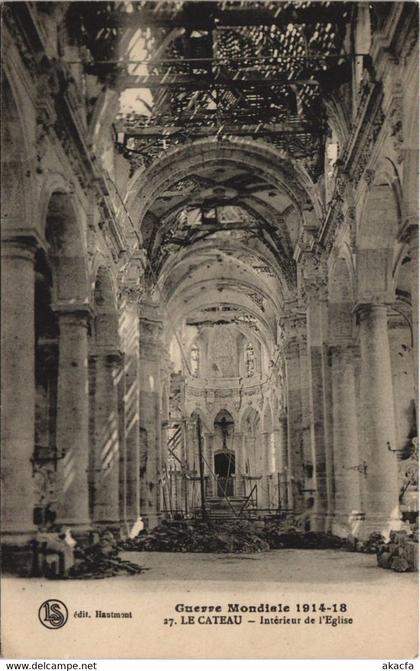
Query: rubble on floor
{"points": [[230, 537], [194, 536], [279, 537], [400, 553], [99, 558], [95, 556], [370, 546]]}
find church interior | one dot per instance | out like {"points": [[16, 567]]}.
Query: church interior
{"points": [[209, 266]]}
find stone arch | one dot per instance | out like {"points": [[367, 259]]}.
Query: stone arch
{"points": [[250, 420], [198, 412], [146, 184], [223, 413], [173, 264], [250, 427], [410, 176], [16, 181], [338, 118], [230, 298], [66, 250]]}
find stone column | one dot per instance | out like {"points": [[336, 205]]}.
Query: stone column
{"points": [[275, 451], [73, 416], [377, 405], [237, 446], [283, 462], [150, 410], [294, 427], [260, 453], [241, 462], [164, 437], [412, 236], [315, 316], [190, 443], [208, 462], [208, 453], [106, 461], [306, 437], [18, 390], [264, 469], [165, 423], [130, 342], [272, 452], [122, 446], [250, 454], [348, 468], [265, 452]]}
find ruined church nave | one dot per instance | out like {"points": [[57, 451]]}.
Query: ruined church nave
{"points": [[210, 266]]}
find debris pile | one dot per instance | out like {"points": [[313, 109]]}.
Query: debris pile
{"points": [[233, 537], [99, 558], [371, 546], [278, 537], [192, 536], [400, 553]]}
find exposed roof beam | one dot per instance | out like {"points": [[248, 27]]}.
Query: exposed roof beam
{"points": [[255, 129], [146, 82], [209, 18]]}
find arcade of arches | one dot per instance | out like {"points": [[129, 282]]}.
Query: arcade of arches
{"points": [[183, 250]]}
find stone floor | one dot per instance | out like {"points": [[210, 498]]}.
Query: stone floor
{"points": [[286, 567], [382, 604]]}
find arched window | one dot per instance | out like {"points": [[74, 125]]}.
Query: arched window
{"points": [[195, 360], [249, 360]]}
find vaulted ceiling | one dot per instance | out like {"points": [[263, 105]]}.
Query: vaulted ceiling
{"points": [[220, 238]]}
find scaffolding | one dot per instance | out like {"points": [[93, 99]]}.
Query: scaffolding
{"points": [[189, 493]]}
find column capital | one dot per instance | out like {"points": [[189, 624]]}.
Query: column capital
{"points": [[363, 310], [113, 356], [150, 330], [78, 314], [292, 325], [19, 241], [19, 248]]}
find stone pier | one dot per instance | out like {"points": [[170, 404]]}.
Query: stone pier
{"points": [[73, 416], [382, 490]]}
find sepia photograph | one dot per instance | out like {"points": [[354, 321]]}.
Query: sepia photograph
{"points": [[209, 332]]}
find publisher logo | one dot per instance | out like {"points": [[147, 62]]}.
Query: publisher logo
{"points": [[53, 614]]}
